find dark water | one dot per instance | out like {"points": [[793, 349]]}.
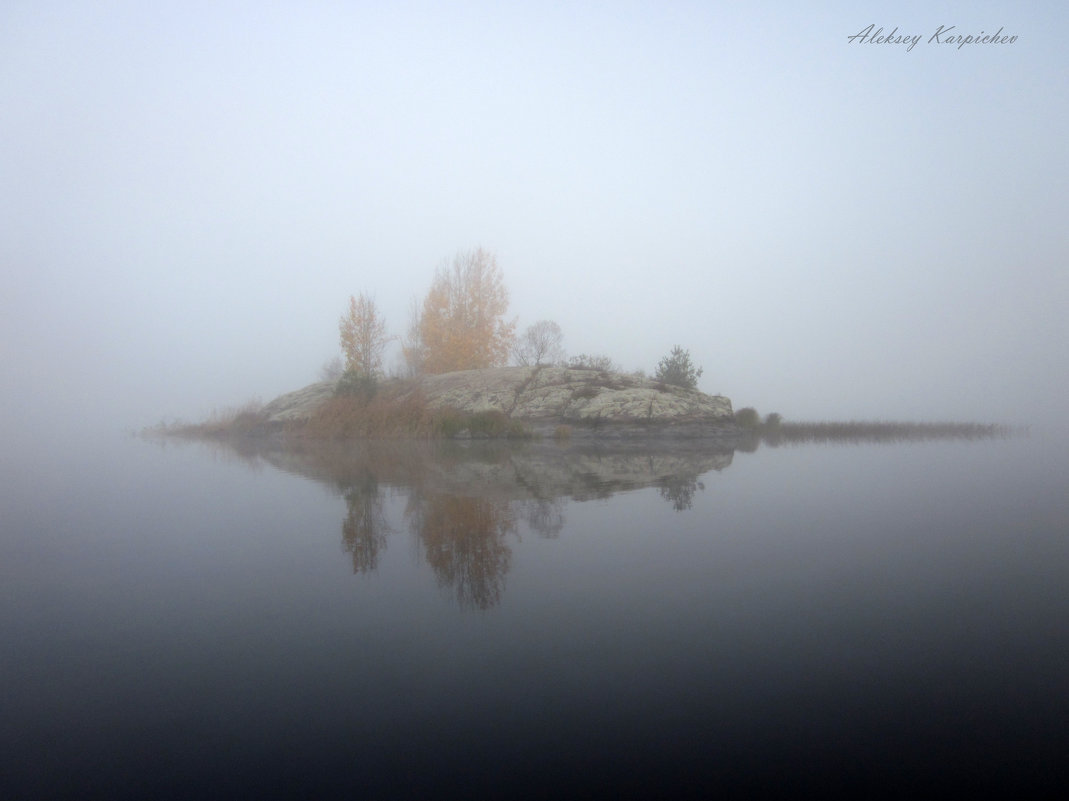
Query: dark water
{"points": [[881, 619]]}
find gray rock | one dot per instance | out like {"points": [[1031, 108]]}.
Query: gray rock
{"points": [[592, 403], [298, 405]]}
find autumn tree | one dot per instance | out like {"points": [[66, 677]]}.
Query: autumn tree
{"points": [[412, 349], [363, 337], [462, 325], [540, 344]]}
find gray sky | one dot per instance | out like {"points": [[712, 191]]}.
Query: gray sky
{"points": [[191, 191]]}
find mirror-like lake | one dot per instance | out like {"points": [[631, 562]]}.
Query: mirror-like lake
{"points": [[399, 619]]}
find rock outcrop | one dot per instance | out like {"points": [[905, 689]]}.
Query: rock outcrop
{"points": [[300, 405], [589, 402]]}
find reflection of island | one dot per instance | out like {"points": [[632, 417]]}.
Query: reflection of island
{"points": [[465, 499], [464, 502], [535, 472]]}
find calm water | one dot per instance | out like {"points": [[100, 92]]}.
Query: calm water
{"points": [[185, 621]]}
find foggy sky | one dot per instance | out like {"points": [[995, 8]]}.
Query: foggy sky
{"points": [[191, 191]]}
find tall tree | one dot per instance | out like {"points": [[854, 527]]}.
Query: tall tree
{"points": [[462, 325], [412, 344], [363, 337]]}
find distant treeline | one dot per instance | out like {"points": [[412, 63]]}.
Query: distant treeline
{"points": [[860, 431]]}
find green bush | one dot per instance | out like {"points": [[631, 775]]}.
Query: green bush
{"points": [[488, 424], [747, 418], [677, 369], [586, 361], [450, 423], [355, 384]]}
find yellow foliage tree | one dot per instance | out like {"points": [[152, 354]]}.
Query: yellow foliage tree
{"points": [[363, 336], [462, 324], [412, 343]]}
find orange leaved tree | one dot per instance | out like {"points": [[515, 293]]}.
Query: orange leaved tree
{"points": [[363, 337], [462, 325]]}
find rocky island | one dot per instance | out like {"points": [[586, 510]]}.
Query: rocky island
{"points": [[509, 401]]}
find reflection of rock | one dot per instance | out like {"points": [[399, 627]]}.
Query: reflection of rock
{"points": [[585, 474], [537, 470], [594, 403]]}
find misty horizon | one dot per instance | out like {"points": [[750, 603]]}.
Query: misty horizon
{"points": [[833, 230]]}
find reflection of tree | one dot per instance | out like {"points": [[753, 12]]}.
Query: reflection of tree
{"points": [[679, 491], [456, 493], [464, 542], [544, 515], [364, 530]]}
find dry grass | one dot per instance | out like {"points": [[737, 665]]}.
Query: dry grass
{"points": [[353, 417], [398, 411], [244, 420], [402, 412]]}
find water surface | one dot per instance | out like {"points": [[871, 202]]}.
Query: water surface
{"points": [[187, 620]]}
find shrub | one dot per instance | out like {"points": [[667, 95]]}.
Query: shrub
{"points": [[586, 391], [676, 368], [747, 418], [448, 423], [492, 424], [495, 424], [354, 384], [488, 424], [586, 361]]}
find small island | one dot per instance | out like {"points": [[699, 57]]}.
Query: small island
{"points": [[466, 375], [512, 402], [456, 380]]}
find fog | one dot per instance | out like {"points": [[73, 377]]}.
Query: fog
{"points": [[833, 228]]}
